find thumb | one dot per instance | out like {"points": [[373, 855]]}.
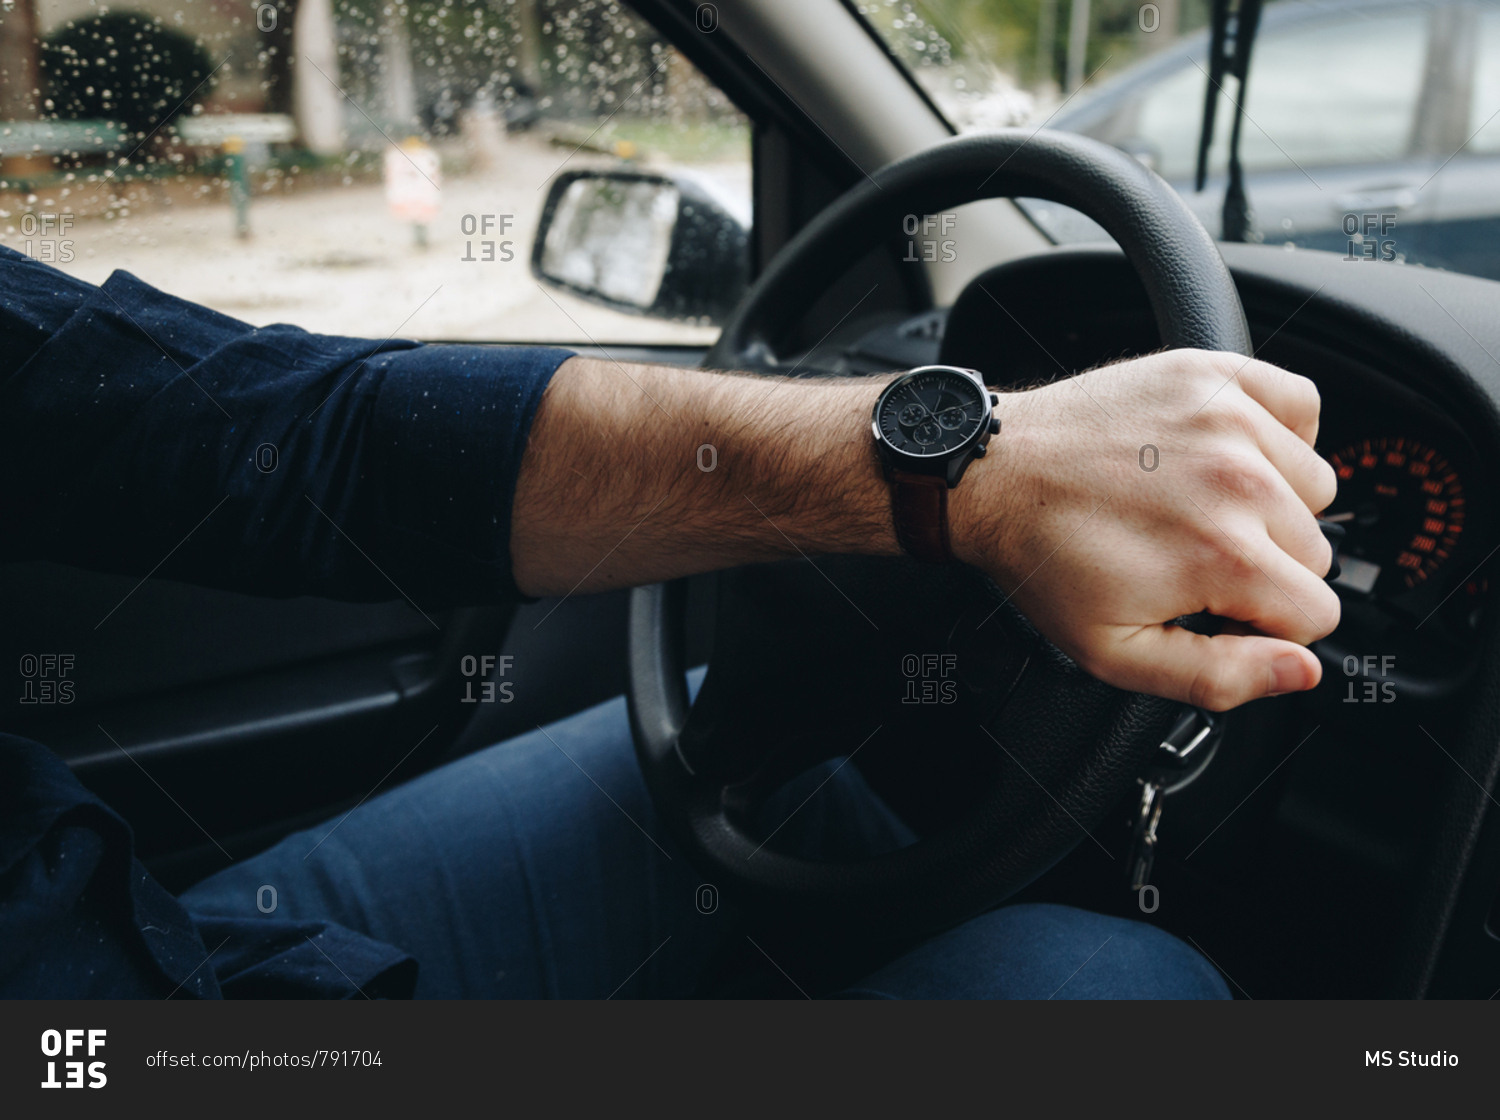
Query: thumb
{"points": [[1217, 673]]}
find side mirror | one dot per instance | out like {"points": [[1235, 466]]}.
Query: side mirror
{"points": [[642, 243]]}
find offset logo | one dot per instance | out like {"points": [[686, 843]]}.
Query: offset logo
{"points": [[44, 678], [930, 678], [73, 1046], [482, 671], [490, 248]]}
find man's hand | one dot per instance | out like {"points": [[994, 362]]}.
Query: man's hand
{"points": [[1109, 503], [1150, 489]]}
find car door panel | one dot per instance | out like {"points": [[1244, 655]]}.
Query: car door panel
{"points": [[216, 721]]}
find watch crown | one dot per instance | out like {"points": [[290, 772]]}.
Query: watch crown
{"points": [[994, 425], [994, 398]]}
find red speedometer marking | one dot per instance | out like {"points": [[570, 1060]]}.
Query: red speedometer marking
{"points": [[1403, 505]]}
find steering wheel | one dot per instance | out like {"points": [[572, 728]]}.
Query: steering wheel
{"points": [[821, 660]]}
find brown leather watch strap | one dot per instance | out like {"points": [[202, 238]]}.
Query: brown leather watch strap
{"points": [[919, 504]]}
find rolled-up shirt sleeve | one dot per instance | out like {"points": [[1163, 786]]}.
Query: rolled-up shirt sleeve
{"points": [[141, 433]]}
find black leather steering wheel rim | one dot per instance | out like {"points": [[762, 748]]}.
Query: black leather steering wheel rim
{"points": [[1044, 808], [1192, 295]]}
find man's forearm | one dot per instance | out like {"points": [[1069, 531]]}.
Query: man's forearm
{"points": [[634, 474]]}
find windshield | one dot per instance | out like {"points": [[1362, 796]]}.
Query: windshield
{"points": [[1371, 127]]}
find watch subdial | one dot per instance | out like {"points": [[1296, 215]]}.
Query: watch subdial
{"points": [[952, 418], [927, 433], [913, 414]]}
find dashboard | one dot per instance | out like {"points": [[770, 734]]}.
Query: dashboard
{"points": [[1380, 779], [1419, 519], [1420, 530], [1418, 510]]}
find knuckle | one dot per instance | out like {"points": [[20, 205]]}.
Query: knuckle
{"points": [[1325, 484], [1211, 688], [1308, 546], [1240, 570], [1208, 370], [1299, 392], [1304, 389], [1229, 364], [1199, 551], [1223, 548], [1309, 617], [1242, 477], [1220, 363], [1326, 612], [1230, 413], [1322, 554]]}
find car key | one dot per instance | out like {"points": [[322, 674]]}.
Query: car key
{"points": [[1182, 743]]}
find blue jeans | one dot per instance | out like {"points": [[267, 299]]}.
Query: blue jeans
{"points": [[538, 868]]}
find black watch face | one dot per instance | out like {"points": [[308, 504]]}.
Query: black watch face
{"points": [[932, 413]]}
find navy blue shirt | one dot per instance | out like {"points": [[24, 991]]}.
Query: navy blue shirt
{"points": [[136, 426]]}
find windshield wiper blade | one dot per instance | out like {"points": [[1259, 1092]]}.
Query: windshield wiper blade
{"points": [[1217, 53], [1232, 36]]}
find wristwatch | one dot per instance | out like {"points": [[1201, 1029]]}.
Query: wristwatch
{"points": [[930, 424]]}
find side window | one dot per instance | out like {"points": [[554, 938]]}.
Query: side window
{"points": [[1484, 104], [1364, 76], [355, 166]]}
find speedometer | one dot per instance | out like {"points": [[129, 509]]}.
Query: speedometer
{"points": [[1402, 507]]}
